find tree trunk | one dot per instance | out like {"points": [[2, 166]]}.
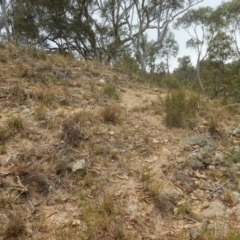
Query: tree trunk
{"points": [[198, 77], [4, 19]]}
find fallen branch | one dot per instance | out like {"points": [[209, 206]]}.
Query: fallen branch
{"points": [[221, 186], [51, 215]]}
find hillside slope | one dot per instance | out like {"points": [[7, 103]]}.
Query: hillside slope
{"points": [[85, 154]]}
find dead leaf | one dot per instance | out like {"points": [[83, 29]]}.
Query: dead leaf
{"points": [[155, 141], [199, 175]]}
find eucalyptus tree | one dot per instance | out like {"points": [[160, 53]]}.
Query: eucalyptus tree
{"points": [[169, 49], [197, 23], [4, 4], [67, 24], [220, 51], [131, 21], [185, 71], [227, 15], [96, 27], [154, 15]]}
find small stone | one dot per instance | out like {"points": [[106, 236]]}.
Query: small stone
{"points": [[215, 209], [76, 222], [79, 165], [205, 204], [102, 80], [26, 111], [196, 214], [194, 234]]}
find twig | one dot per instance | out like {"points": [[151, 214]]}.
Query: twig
{"points": [[221, 186], [31, 205], [189, 218], [23, 188], [51, 215]]}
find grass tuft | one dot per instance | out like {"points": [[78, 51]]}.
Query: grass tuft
{"points": [[110, 113]]}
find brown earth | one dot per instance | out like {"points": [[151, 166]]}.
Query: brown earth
{"points": [[52, 117]]}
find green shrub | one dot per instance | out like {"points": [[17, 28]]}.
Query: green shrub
{"points": [[15, 123], [110, 113], [110, 91], [180, 109], [3, 149]]}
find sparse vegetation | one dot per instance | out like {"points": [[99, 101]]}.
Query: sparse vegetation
{"points": [[180, 110], [110, 113], [15, 227], [134, 179], [15, 123], [72, 133], [40, 112], [4, 134], [110, 91], [3, 149]]}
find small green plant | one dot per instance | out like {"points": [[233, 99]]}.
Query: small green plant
{"points": [[180, 109], [110, 113], [3, 149], [110, 91], [4, 134], [3, 58], [15, 123], [145, 174], [17, 94], [3, 45], [81, 117], [183, 209], [47, 97], [213, 125], [228, 197], [108, 204], [40, 112], [15, 227], [158, 111], [72, 133]]}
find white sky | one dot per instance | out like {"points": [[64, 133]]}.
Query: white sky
{"points": [[182, 36]]}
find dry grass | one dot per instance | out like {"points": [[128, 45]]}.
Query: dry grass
{"points": [[110, 113], [15, 123], [15, 227], [113, 199], [72, 133]]}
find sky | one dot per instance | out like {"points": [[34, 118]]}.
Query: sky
{"points": [[182, 36]]}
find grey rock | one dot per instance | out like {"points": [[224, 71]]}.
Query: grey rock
{"points": [[202, 140], [63, 100], [236, 132], [219, 158], [102, 80], [79, 165], [200, 158], [196, 214], [174, 194], [185, 181], [215, 210], [26, 111]]}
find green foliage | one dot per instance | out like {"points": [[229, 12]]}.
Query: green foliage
{"points": [[180, 109], [40, 112], [4, 134], [129, 65], [15, 123], [173, 83], [3, 149], [110, 91]]}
